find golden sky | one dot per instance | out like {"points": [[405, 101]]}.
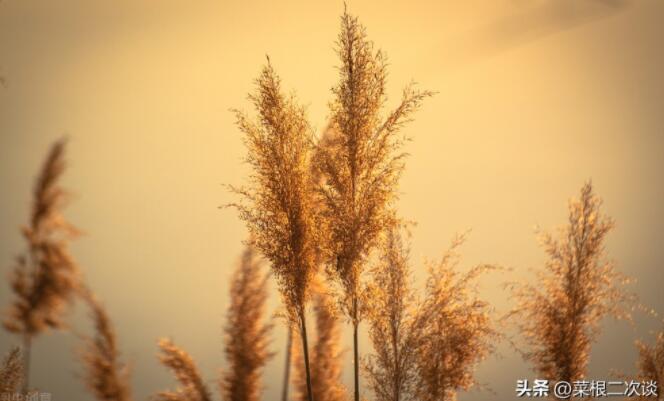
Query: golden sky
{"points": [[535, 97]]}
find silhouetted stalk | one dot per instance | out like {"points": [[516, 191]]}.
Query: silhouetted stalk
{"points": [[27, 346], [289, 346], [356, 353], [305, 351], [397, 370]]}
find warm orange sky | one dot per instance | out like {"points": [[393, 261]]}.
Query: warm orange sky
{"points": [[535, 97]]}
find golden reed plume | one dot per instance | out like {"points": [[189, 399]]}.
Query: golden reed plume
{"points": [[11, 373], [105, 374], [45, 278], [246, 332], [279, 210], [395, 326], [560, 316], [326, 357], [192, 387], [458, 333], [360, 164]]}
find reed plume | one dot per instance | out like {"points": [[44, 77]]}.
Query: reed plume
{"points": [[458, 333], [278, 204], [396, 326], [246, 332], [11, 373], [559, 317], [651, 363], [326, 358], [361, 164], [45, 277], [106, 376], [192, 387]]}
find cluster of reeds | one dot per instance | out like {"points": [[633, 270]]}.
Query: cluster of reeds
{"points": [[425, 349], [46, 279], [322, 214], [335, 204]]}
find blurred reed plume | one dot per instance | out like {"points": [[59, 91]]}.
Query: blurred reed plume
{"points": [[360, 164], [45, 278], [458, 333], [246, 332], [11, 372], [395, 322], [277, 206], [326, 357], [106, 376], [192, 387], [651, 362], [559, 316]]}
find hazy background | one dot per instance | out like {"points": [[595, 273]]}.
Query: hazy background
{"points": [[535, 97]]}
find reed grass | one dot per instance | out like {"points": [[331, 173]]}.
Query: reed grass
{"points": [[651, 363], [247, 332], [559, 317], [11, 373], [278, 204], [395, 322], [360, 165], [106, 376], [192, 387], [45, 278], [458, 332]]}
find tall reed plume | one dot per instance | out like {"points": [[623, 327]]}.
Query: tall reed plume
{"points": [[458, 333], [106, 376], [395, 324], [326, 357], [278, 203], [560, 316], [361, 164], [192, 387], [11, 373], [246, 332], [45, 278]]}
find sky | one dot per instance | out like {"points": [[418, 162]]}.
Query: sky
{"points": [[535, 97]]}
